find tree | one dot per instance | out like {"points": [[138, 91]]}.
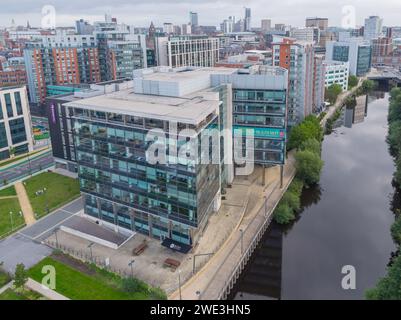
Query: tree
{"points": [[394, 137], [21, 275], [309, 166], [388, 288], [283, 214], [308, 129], [311, 145], [352, 81], [396, 230], [368, 86], [350, 101], [332, 92]]}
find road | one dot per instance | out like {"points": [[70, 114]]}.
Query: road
{"points": [[25, 246], [25, 168]]}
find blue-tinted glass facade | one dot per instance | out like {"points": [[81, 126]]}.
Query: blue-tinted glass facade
{"points": [[264, 111], [9, 107], [364, 61], [122, 188], [17, 129], [18, 105]]}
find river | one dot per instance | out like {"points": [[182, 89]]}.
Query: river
{"points": [[345, 220]]}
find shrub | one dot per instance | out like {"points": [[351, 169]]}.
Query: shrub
{"points": [[283, 214]]}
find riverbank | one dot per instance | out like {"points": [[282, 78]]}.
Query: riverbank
{"points": [[388, 287]]}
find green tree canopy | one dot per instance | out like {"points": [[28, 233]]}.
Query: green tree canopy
{"points": [[368, 86], [309, 166], [20, 276], [311, 145], [396, 230], [332, 92], [352, 81], [283, 214], [389, 287], [308, 129]]}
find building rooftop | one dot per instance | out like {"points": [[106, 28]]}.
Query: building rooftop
{"points": [[191, 109]]}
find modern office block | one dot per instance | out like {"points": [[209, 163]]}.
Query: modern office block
{"points": [[336, 72], [16, 135], [180, 51], [355, 51], [171, 201]]}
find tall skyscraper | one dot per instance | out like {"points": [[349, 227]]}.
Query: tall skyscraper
{"points": [[247, 19], [193, 19], [373, 28]]}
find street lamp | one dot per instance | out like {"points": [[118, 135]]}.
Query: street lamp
{"points": [[130, 264], [242, 240], [12, 222], [47, 204], [90, 248], [179, 283]]}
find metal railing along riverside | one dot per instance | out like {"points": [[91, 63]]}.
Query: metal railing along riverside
{"points": [[260, 227]]}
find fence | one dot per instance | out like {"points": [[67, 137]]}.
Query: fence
{"points": [[87, 257], [260, 222]]}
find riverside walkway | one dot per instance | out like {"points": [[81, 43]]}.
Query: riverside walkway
{"points": [[216, 278]]}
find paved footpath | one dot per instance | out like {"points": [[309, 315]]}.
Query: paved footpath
{"points": [[44, 291], [7, 286], [208, 283], [25, 204]]}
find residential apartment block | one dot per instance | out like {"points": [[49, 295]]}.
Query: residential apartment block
{"points": [[298, 58]]}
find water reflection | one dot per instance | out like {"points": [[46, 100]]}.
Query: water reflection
{"points": [[345, 220]]}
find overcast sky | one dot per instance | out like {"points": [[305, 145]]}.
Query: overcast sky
{"points": [[211, 12]]}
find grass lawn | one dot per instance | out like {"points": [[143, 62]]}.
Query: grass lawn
{"points": [[10, 191], [4, 278], [89, 282], [59, 190], [11, 294], [7, 205]]}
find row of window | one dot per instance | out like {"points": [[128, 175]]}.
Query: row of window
{"points": [[9, 105]]}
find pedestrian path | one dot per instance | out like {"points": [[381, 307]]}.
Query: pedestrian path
{"points": [[44, 291], [7, 286], [25, 204]]}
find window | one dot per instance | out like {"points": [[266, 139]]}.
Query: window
{"points": [[17, 98], [9, 106], [3, 136], [17, 129]]}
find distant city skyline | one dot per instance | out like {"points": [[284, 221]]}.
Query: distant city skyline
{"points": [[210, 12]]}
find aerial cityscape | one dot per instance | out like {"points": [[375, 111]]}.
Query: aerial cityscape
{"points": [[218, 151]]}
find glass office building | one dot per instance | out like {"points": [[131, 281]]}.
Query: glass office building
{"points": [[122, 187], [264, 111]]}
